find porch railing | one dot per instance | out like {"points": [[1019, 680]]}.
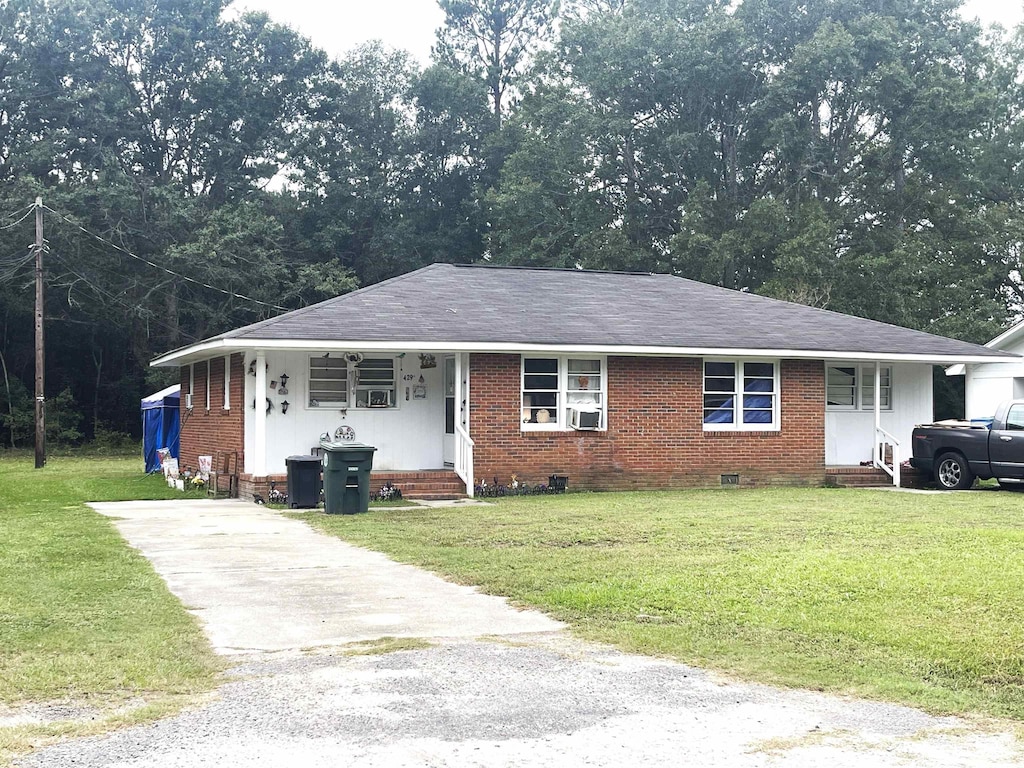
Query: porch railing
{"points": [[887, 446], [464, 457]]}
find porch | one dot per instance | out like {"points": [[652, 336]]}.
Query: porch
{"points": [[411, 406], [871, 410], [427, 484]]}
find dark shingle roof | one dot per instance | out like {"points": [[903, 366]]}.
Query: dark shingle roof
{"points": [[446, 303]]}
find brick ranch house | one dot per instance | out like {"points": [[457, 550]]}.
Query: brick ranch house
{"points": [[617, 380]]}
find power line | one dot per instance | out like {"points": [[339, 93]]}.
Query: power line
{"points": [[10, 272], [66, 264], [31, 208], [161, 267], [126, 304]]}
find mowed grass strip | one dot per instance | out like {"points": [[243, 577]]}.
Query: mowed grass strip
{"points": [[906, 597], [82, 615]]}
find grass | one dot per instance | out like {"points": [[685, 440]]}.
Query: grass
{"points": [[909, 598], [83, 617], [385, 645], [374, 504]]}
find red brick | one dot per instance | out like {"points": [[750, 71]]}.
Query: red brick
{"points": [[655, 436]]}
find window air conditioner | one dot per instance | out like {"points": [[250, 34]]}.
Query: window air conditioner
{"points": [[584, 418]]}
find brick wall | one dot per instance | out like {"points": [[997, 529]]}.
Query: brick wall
{"points": [[655, 436], [204, 432]]}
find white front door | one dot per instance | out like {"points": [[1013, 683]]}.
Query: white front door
{"points": [[448, 449]]}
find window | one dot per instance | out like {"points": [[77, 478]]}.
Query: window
{"points": [[375, 382], [852, 387], [553, 387], [328, 382], [335, 382], [1015, 418], [841, 387], [740, 395]]}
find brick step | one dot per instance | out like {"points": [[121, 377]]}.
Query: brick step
{"points": [[860, 481], [870, 477], [374, 481], [431, 485], [426, 474]]}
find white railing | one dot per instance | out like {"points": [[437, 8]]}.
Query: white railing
{"points": [[884, 440], [464, 457]]}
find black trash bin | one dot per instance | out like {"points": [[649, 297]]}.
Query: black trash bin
{"points": [[303, 481], [347, 477]]}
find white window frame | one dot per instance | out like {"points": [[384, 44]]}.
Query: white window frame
{"points": [[326, 404], [227, 383], [356, 386], [353, 387], [738, 374], [863, 381], [560, 422]]}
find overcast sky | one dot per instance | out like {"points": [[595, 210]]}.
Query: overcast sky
{"points": [[341, 25]]}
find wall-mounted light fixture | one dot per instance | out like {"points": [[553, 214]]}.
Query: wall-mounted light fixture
{"points": [[284, 407], [284, 384]]}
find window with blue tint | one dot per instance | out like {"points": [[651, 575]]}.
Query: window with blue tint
{"points": [[740, 395], [758, 393], [719, 392]]}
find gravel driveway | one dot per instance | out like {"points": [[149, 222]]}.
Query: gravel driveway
{"points": [[496, 686]]}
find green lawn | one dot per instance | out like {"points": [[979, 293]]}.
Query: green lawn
{"points": [[912, 598], [82, 616]]}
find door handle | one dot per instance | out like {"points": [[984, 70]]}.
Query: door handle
{"points": [[1005, 438]]}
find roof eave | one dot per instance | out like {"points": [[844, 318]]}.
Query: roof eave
{"points": [[223, 346], [1006, 337]]}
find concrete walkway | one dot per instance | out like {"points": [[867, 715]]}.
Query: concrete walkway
{"points": [[496, 687], [261, 582]]}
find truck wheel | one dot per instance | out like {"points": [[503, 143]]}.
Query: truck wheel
{"points": [[952, 473]]}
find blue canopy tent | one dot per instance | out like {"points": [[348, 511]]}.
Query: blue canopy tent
{"points": [[161, 425]]}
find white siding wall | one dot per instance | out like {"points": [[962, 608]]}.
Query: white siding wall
{"points": [[408, 437], [849, 435], [988, 384]]}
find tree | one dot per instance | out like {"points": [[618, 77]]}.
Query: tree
{"points": [[811, 151], [154, 126], [493, 39]]}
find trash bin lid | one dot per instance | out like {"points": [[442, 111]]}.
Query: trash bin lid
{"points": [[302, 458], [341, 447]]}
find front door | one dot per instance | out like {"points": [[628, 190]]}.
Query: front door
{"points": [[1006, 446], [448, 449]]}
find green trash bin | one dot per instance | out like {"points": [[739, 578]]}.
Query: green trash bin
{"points": [[347, 477]]}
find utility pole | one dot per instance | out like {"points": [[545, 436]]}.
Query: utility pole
{"points": [[40, 356]]}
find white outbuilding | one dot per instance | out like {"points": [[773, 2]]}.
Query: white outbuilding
{"points": [[988, 384]]}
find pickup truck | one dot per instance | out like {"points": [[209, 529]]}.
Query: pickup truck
{"points": [[956, 452]]}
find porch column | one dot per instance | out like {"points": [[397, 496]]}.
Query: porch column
{"points": [[458, 390], [463, 379], [259, 432], [879, 457]]}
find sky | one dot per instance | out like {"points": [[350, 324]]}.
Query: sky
{"points": [[338, 26]]}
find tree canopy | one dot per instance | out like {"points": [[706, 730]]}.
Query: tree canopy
{"points": [[203, 171]]}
